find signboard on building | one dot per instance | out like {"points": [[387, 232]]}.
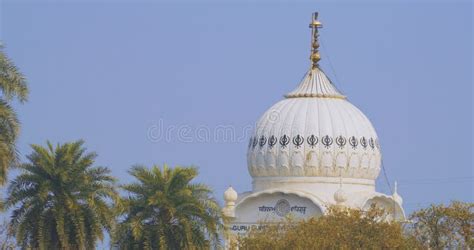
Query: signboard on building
{"points": [[255, 212]]}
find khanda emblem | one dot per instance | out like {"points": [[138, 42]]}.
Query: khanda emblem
{"points": [[363, 142], [298, 140], [353, 142], [262, 140], [372, 143], [254, 143], [272, 141], [341, 141], [312, 141], [284, 140], [326, 141]]}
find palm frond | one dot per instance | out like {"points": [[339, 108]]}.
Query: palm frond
{"points": [[12, 82], [70, 198], [165, 210]]}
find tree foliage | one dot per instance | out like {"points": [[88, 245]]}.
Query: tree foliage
{"points": [[12, 86], [7, 241], [341, 228], [440, 226], [60, 201], [164, 210]]}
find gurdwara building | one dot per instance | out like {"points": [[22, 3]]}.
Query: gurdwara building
{"points": [[309, 151]]}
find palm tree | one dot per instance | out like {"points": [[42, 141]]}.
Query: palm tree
{"points": [[164, 210], [59, 200], [12, 86]]}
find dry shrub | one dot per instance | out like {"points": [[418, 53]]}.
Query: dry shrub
{"points": [[341, 228]]}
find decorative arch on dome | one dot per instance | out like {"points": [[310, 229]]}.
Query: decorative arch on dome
{"points": [[393, 208]]}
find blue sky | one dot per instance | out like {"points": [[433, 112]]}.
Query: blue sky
{"points": [[109, 72]]}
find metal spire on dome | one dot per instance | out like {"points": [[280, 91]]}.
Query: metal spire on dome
{"points": [[315, 25], [315, 83]]}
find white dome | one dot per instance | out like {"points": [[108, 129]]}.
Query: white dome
{"points": [[230, 195], [314, 132]]}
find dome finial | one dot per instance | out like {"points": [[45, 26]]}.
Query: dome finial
{"points": [[315, 25], [396, 196]]}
